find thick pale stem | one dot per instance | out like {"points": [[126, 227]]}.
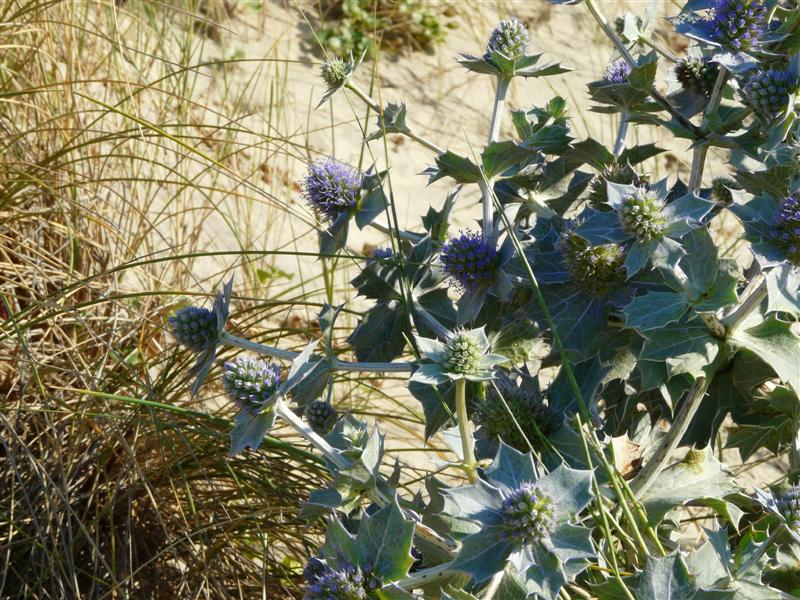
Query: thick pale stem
{"points": [[426, 576], [494, 135], [376, 107], [467, 442], [699, 155], [658, 461], [622, 134]]}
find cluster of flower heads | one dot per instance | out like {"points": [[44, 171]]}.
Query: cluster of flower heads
{"points": [[332, 187], [697, 75], [527, 514], [738, 25], [641, 215], [597, 270], [195, 327], [250, 382], [510, 38], [767, 91], [463, 354], [786, 228], [470, 260], [617, 72], [788, 505], [345, 582], [320, 415]]}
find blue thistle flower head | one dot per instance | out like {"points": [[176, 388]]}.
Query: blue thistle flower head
{"points": [[195, 327], [527, 514], [470, 260], [380, 254], [738, 25], [510, 38], [332, 187], [785, 231], [344, 582], [251, 382], [767, 91], [617, 72], [788, 505]]}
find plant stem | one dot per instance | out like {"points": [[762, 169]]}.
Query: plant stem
{"points": [[622, 132], [426, 576], [494, 134], [467, 443], [601, 20], [377, 108], [699, 155], [752, 300], [337, 365]]}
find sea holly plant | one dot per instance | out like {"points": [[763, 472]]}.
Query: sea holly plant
{"points": [[580, 353]]}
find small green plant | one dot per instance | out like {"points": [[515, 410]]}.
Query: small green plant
{"points": [[359, 26]]}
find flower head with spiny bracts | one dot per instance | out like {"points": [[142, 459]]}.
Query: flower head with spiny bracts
{"points": [[617, 72], [335, 72], [697, 75], [721, 190], [464, 355], [767, 91], [320, 416], [616, 172], [470, 260], [251, 382], [332, 188], [641, 214], [739, 25], [527, 514], [785, 230], [597, 270], [510, 38], [195, 327], [344, 582], [788, 505]]}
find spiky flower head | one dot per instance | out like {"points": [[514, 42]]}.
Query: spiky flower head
{"points": [[510, 38], [597, 270], [697, 75], [785, 231], [721, 190], [494, 418], [788, 505], [332, 187], [527, 514], [617, 72], [470, 260], [641, 215], [463, 354], [195, 327], [615, 173], [739, 25], [335, 72], [250, 382], [320, 415], [767, 91], [345, 582]]}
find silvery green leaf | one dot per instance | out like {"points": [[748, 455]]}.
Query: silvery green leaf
{"points": [[578, 318], [617, 193], [571, 543], [654, 310], [512, 468], [783, 289], [723, 292], [589, 375], [334, 237], [639, 154], [776, 344], [490, 361], [601, 227], [438, 404], [686, 347], [392, 120], [690, 208], [201, 368], [497, 157], [771, 433], [483, 554], [379, 336], [700, 476], [384, 542], [517, 341], [430, 348], [452, 594], [479, 502], [470, 305], [636, 260], [222, 305], [643, 75], [700, 263], [250, 429], [429, 374], [339, 544], [458, 168], [393, 592], [541, 571], [570, 491], [668, 578], [664, 253], [373, 203]]}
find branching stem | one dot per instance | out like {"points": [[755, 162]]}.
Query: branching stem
{"points": [[494, 134], [467, 442]]}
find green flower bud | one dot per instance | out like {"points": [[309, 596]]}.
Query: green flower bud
{"points": [[597, 270], [642, 215], [463, 354]]}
